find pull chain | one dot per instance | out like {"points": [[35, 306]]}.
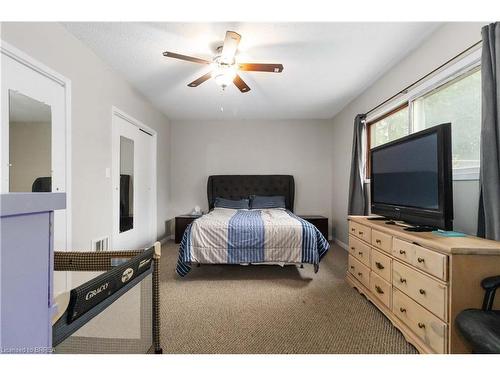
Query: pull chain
{"points": [[222, 96]]}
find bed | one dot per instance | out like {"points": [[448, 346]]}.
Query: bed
{"points": [[250, 236]]}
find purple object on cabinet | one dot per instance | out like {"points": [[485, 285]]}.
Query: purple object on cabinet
{"points": [[26, 270]]}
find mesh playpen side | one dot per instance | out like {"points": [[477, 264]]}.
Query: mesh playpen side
{"points": [[117, 310]]}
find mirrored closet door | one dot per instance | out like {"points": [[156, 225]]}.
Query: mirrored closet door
{"points": [[134, 184]]}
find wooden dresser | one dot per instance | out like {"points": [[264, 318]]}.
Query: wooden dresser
{"points": [[420, 281]]}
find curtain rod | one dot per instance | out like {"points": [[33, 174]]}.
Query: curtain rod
{"points": [[403, 91]]}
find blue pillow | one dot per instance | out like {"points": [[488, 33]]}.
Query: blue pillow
{"points": [[230, 203], [262, 201]]}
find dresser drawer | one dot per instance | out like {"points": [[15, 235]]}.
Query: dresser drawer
{"points": [[403, 250], [360, 231], [430, 329], [381, 264], [431, 262], [381, 289], [381, 240], [359, 250], [428, 292], [359, 271]]}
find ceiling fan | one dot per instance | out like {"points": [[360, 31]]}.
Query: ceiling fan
{"points": [[224, 66]]}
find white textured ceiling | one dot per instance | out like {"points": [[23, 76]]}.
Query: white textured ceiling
{"points": [[326, 65]]}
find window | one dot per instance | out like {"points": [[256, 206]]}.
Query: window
{"points": [[389, 127], [457, 100], [386, 128]]}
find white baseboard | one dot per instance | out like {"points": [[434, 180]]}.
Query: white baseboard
{"points": [[342, 244]]}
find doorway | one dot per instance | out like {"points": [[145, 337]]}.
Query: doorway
{"points": [[134, 182]]}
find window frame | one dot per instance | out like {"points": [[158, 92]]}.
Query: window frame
{"points": [[369, 124], [461, 68]]}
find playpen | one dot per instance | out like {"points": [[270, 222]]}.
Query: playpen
{"points": [[116, 310]]}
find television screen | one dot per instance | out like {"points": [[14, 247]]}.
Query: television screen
{"points": [[406, 174], [411, 179]]}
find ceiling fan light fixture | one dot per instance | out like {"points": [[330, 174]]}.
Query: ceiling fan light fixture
{"points": [[225, 65], [224, 74]]}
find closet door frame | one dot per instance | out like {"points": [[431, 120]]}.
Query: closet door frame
{"points": [[29, 62], [115, 159], [9, 51]]}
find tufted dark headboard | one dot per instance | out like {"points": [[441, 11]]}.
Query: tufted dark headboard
{"points": [[242, 186]]}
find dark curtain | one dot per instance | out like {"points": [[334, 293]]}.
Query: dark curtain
{"points": [[489, 180], [357, 198]]}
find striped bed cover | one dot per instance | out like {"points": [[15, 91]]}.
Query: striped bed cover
{"points": [[228, 236]]}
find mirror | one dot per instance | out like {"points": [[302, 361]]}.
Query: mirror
{"points": [[30, 143], [126, 184]]}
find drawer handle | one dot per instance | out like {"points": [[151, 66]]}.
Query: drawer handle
{"points": [[403, 310], [352, 267], [379, 265], [378, 241], [360, 233], [379, 289], [353, 229], [420, 260], [402, 252], [360, 253], [353, 248], [421, 325], [422, 291], [402, 280], [360, 274]]}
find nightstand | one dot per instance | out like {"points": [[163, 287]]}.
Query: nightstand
{"points": [[181, 223], [319, 222]]}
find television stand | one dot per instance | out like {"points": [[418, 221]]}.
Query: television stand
{"points": [[389, 266], [381, 218], [420, 228], [408, 227]]}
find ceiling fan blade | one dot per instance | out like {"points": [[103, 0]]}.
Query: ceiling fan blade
{"points": [[200, 80], [251, 67], [184, 57], [240, 84], [230, 46]]}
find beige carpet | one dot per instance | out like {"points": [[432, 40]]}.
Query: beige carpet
{"points": [[269, 309]]}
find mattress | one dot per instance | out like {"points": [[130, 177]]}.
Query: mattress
{"points": [[228, 236]]}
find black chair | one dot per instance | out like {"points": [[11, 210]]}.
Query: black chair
{"points": [[42, 185], [481, 327]]}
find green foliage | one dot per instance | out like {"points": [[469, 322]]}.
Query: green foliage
{"points": [[390, 128], [458, 102]]}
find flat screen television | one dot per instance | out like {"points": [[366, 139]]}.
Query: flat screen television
{"points": [[411, 179]]}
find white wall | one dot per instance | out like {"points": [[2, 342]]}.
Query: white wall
{"points": [[301, 148], [95, 89], [442, 45]]}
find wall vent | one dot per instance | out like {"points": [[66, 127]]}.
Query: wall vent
{"points": [[100, 244]]}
